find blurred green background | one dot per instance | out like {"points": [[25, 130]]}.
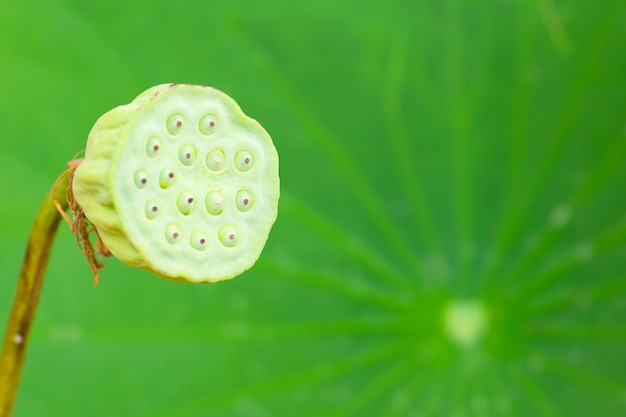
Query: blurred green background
{"points": [[452, 230]]}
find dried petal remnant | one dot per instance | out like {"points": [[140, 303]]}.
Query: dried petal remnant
{"points": [[80, 225]]}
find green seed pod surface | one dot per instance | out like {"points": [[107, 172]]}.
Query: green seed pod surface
{"points": [[181, 182]]}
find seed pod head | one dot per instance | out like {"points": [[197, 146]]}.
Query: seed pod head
{"points": [[181, 182]]}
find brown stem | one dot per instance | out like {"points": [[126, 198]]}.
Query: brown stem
{"points": [[27, 293]]}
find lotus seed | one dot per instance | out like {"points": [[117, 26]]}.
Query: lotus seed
{"points": [[198, 241], [152, 210], [152, 147], [166, 178], [228, 236], [243, 200], [208, 124], [244, 161], [141, 179], [187, 155], [215, 160], [172, 233], [214, 203], [185, 203], [175, 124]]}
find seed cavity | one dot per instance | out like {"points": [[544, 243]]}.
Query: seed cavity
{"points": [[243, 200], [208, 124], [172, 233], [175, 124], [185, 203], [167, 178], [214, 202], [153, 147], [141, 179], [215, 160], [151, 210], [187, 155], [198, 241], [229, 236], [244, 160]]}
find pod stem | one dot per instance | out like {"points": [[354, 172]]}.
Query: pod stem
{"points": [[29, 286]]}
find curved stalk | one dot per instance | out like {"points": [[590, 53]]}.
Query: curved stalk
{"points": [[27, 293]]}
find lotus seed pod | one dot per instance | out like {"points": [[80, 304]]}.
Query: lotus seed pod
{"points": [[180, 182]]}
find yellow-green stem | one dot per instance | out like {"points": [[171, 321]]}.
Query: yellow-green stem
{"points": [[27, 294]]}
